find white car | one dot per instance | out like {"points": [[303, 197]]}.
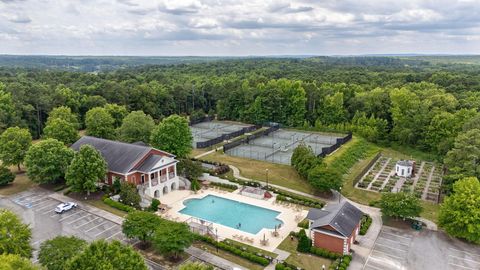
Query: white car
{"points": [[63, 207]]}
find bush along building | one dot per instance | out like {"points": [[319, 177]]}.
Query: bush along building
{"points": [[153, 171], [335, 227]]}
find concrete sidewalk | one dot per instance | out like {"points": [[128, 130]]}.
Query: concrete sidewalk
{"points": [[212, 259]]}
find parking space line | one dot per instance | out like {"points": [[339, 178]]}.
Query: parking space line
{"points": [[44, 207], [388, 254], [378, 244], [396, 242], [464, 259], [96, 226], [87, 222], [409, 238], [113, 235], [43, 203], [374, 267], [473, 254], [74, 213], [18, 198], [105, 230], [33, 202], [458, 265], [88, 214], [48, 211], [31, 197]]}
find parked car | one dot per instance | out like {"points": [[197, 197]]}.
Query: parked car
{"points": [[63, 207]]}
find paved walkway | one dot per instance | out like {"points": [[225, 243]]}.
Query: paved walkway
{"points": [[207, 153], [212, 259]]}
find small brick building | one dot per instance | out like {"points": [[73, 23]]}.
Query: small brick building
{"points": [[334, 227]]}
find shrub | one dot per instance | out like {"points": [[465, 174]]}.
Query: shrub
{"points": [[6, 176], [297, 199], [154, 205], [304, 224], [365, 224], [118, 205], [129, 194], [304, 243], [226, 186]]}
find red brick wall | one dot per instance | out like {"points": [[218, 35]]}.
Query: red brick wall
{"points": [[328, 242], [135, 178], [111, 176]]}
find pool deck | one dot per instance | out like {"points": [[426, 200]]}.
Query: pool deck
{"points": [[289, 215]]}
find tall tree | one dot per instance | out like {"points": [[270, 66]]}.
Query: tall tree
{"points": [[47, 161], [100, 123], [172, 238], [460, 212], [61, 130], [14, 235], [141, 225], [86, 169], [118, 112], [325, 178], [55, 253], [14, 143], [64, 113], [173, 135], [8, 113], [402, 205], [107, 255], [137, 126]]}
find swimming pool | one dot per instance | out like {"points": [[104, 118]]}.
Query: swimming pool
{"points": [[232, 213]]}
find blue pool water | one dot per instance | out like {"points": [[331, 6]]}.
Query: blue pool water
{"points": [[230, 213]]}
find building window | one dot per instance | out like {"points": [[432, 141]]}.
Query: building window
{"points": [[133, 179], [152, 175]]}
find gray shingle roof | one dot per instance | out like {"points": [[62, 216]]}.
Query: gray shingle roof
{"points": [[405, 163], [149, 164], [343, 217], [121, 157]]}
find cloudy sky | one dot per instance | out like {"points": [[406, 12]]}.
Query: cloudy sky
{"points": [[233, 27]]}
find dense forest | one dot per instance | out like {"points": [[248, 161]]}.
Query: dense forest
{"points": [[415, 102]]}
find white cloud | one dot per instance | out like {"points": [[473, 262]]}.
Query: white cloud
{"points": [[231, 27]]}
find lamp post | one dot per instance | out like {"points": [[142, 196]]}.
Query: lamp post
{"points": [[266, 173], [216, 236], [339, 194]]}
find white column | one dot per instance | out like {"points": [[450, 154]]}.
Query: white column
{"points": [[175, 169], [149, 181]]}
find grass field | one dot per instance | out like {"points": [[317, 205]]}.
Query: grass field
{"points": [[21, 183], [278, 174], [306, 261]]}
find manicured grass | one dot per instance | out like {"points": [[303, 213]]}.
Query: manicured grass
{"points": [[253, 249], [430, 211], [229, 256], [344, 148], [21, 183], [278, 174], [197, 151], [100, 204], [304, 260]]}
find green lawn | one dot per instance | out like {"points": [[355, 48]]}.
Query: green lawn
{"points": [[304, 260], [21, 183], [100, 204], [278, 174]]}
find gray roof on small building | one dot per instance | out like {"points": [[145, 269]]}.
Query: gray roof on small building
{"points": [[120, 157], [343, 217], [150, 163], [407, 163]]}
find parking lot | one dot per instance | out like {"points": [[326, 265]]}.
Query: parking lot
{"points": [[37, 208], [406, 249]]}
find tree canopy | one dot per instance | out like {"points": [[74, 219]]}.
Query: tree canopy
{"points": [[47, 161], [14, 143], [107, 256], [54, 253], [460, 212], [141, 225], [100, 123], [136, 126], [14, 235], [86, 169], [172, 238], [173, 135], [401, 204], [64, 113], [16, 262], [61, 130]]}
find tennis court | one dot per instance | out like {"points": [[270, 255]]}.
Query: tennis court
{"points": [[206, 131], [278, 146]]}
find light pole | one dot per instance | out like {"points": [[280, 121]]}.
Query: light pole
{"points": [[266, 172], [273, 152], [339, 194], [216, 236]]}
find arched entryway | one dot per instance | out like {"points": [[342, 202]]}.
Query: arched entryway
{"points": [[174, 186], [156, 194], [165, 190]]}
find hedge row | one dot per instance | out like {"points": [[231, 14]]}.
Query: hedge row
{"points": [[356, 152], [118, 205], [301, 201], [324, 253], [235, 251], [223, 185], [341, 263], [221, 168], [304, 224], [286, 266], [365, 224]]}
